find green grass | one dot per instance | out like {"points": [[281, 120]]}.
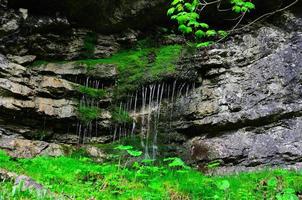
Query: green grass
{"points": [[91, 92], [80, 178], [88, 114]]}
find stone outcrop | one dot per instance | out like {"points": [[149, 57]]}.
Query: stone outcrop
{"points": [[247, 111], [18, 147], [48, 37], [49, 92], [101, 15]]}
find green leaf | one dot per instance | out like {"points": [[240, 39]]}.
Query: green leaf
{"points": [[136, 165], [195, 3], [169, 159], [211, 33], [194, 15], [222, 33], [174, 2], [236, 9], [122, 147], [213, 164], [193, 23], [188, 6], [182, 19], [134, 153], [204, 44], [182, 28], [288, 194], [272, 183], [177, 162], [170, 11], [223, 185], [204, 25], [189, 30], [249, 5], [289, 191], [179, 7], [147, 161], [199, 34], [244, 9], [174, 17], [238, 2]]}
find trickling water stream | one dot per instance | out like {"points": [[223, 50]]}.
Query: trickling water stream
{"points": [[85, 129], [150, 107], [146, 109]]}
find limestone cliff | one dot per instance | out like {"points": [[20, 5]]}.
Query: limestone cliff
{"points": [[238, 102]]}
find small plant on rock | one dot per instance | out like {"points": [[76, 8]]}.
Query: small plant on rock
{"points": [[187, 14]]}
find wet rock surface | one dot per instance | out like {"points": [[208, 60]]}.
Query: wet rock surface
{"points": [[49, 92], [248, 108]]}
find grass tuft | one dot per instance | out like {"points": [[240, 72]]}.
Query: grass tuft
{"points": [[88, 114], [91, 92]]}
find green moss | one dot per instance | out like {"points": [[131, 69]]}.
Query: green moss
{"points": [[120, 116], [91, 92], [139, 66], [88, 114], [166, 59], [144, 64]]}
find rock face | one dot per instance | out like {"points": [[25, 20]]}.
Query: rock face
{"points": [[51, 37], [247, 111], [102, 15], [49, 92]]}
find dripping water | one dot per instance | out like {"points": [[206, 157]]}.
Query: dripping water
{"points": [[146, 106]]}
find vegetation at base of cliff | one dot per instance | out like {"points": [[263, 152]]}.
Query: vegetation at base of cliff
{"points": [[88, 114], [140, 65], [81, 178], [92, 92]]}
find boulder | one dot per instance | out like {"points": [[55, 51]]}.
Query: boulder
{"points": [[97, 154], [18, 147]]}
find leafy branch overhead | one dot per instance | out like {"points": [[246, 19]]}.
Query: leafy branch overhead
{"points": [[187, 15]]}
